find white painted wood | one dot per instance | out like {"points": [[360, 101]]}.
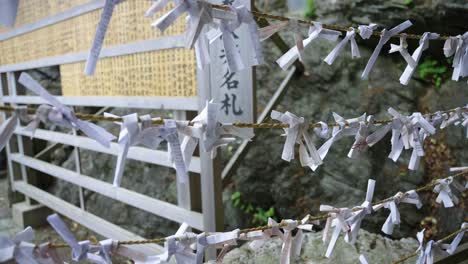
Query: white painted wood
{"points": [[141, 102], [76, 156], [7, 147], [89, 220], [151, 205], [183, 189], [19, 139], [72, 12], [118, 50], [206, 165], [234, 90], [157, 157]]}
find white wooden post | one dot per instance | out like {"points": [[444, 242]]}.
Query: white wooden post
{"points": [[183, 189], [12, 92], [78, 170], [7, 148]]}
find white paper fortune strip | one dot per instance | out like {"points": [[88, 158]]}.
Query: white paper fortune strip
{"points": [[458, 46], [366, 31], [338, 48], [64, 116], [83, 250], [446, 196], [297, 133], [423, 45], [101, 29], [384, 38], [315, 31], [19, 248], [8, 12], [409, 197], [150, 136]]}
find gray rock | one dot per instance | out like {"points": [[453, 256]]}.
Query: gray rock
{"points": [[375, 248]]}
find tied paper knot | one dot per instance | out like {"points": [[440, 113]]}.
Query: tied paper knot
{"points": [[417, 54], [357, 216], [384, 38], [350, 34], [292, 244], [315, 31], [226, 31], [209, 131], [378, 134], [7, 128], [403, 50], [457, 117], [200, 14], [360, 139], [425, 254], [428, 251], [64, 116], [47, 254], [410, 197], [101, 254], [298, 39], [366, 31], [346, 127], [409, 132], [336, 218], [452, 247], [150, 136], [177, 245], [297, 133], [19, 248], [322, 131], [79, 249], [214, 240], [458, 46], [260, 237], [96, 47], [446, 196]]}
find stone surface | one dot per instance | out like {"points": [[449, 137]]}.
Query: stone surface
{"points": [[25, 215], [376, 249]]}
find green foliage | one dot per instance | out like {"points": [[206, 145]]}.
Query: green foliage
{"points": [[433, 71], [311, 9], [259, 215], [407, 2]]}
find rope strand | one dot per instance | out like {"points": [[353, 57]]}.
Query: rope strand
{"points": [[441, 240], [282, 224], [327, 26], [91, 117]]}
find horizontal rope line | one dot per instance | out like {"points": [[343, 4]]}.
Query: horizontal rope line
{"points": [[426, 187], [91, 117], [327, 26], [441, 240]]}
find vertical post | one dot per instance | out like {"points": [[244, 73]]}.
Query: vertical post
{"points": [[210, 176], [12, 91], [78, 171], [8, 149], [183, 189]]}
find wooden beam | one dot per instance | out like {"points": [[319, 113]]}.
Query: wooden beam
{"points": [[140, 102], [62, 16], [157, 157], [176, 41], [90, 221], [138, 200]]}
